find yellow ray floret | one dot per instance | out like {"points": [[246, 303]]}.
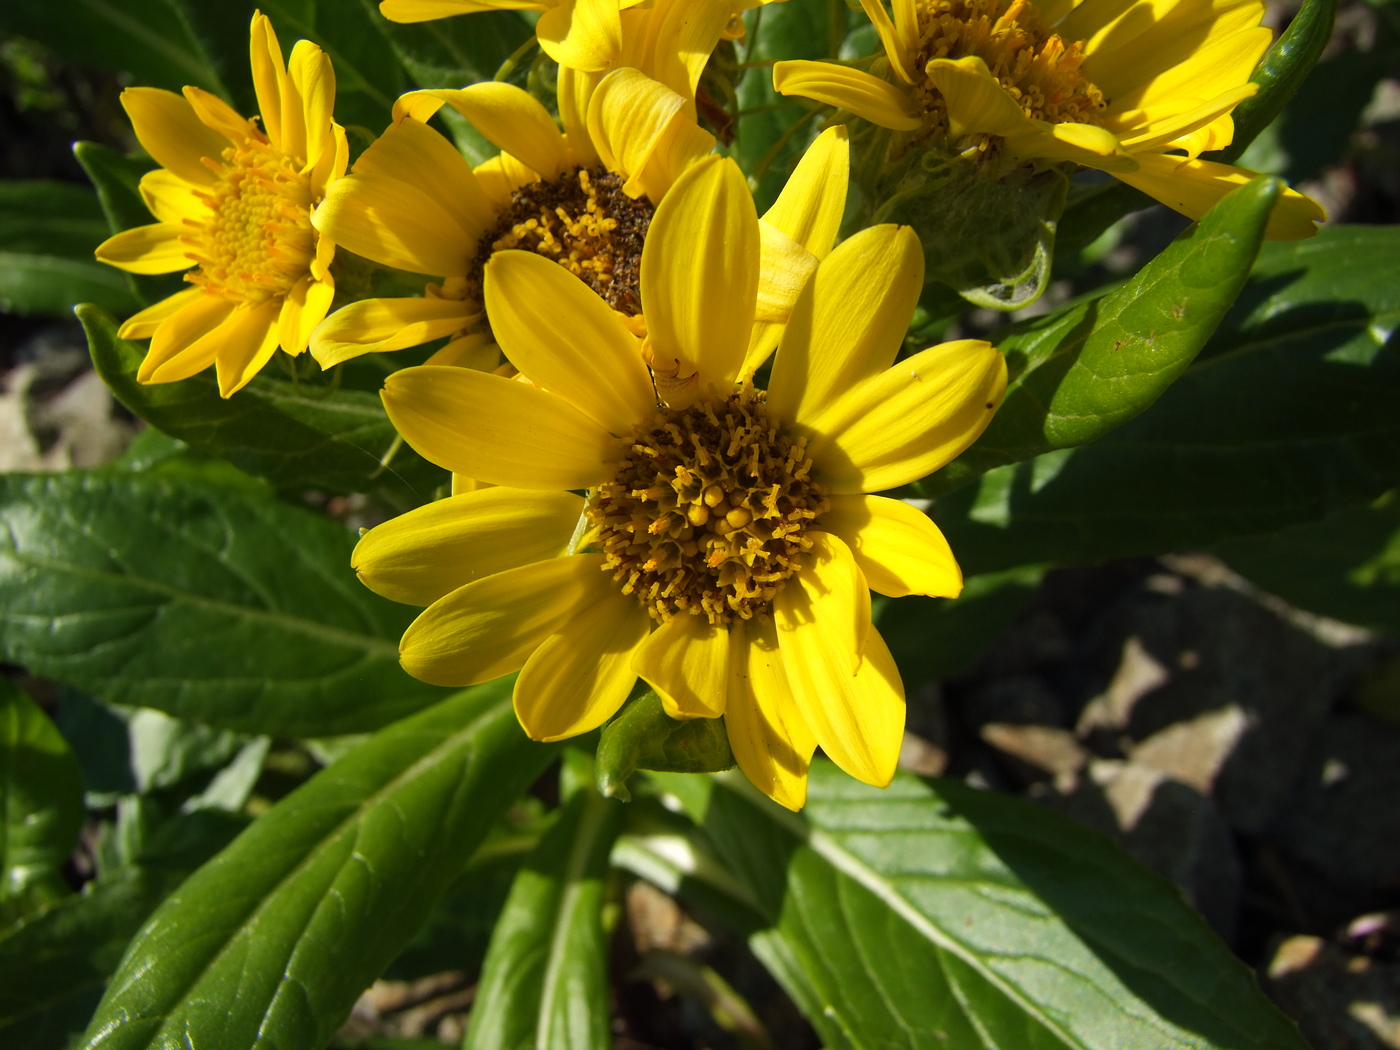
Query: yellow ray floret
{"points": [[1136, 89], [583, 199], [728, 540], [235, 201]]}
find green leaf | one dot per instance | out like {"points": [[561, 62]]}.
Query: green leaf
{"points": [[46, 217], [544, 982], [200, 601], [643, 736], [53, 968], [1280, 74], [1346, 566], [41, 801], [1286, 416], [936, 638], [294, 436], [450, 52], [117, 180], [144, 38], [932, 914], [1086, 370], [51, 284], [271, 942]]}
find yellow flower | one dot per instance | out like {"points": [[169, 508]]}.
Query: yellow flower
{"points": [[584, 198], [597, 35], [235, 201], [727, 541], [1108, 85]]}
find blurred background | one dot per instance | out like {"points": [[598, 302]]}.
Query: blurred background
{"points": [[1231, 715]]}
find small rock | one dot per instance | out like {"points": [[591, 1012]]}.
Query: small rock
{"points": [[1194, 752], [1341, 1001], [1046, 748], [1344, 819], [1018, 700]]}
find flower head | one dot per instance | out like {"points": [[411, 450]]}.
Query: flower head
{"points": [[235, 201], [1099, 84], [727, 541], [583, 199]]}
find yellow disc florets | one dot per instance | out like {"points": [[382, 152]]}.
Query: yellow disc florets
{"points": [[1039, 69], [583, 221], [257, 241], [708, 512]]}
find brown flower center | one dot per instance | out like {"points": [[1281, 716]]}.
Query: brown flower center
{"points": [[584, 222], [257, 241], [1040, 70], [708, 513]]}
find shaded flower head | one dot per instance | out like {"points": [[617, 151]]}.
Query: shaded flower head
{"points": [[727, 542], [235, 201], [1135, 91]]}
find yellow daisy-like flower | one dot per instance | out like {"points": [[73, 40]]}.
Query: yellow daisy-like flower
{"points": [[727, 542], [584, 199], [1120, 87], [597, 35], [235, 200]]}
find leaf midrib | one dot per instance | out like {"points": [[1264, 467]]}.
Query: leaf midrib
{"points": [[308, 628], [428, 760]]}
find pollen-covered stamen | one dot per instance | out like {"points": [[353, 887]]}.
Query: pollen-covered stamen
{"points": [[257, 241], [1040, 70], [709, 512], [583, 221]]}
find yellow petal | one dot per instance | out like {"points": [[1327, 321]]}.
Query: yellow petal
{"points": [[858, 719], [396, 224], [302, 310], [489, 627], [638, 124], [508, 116], [169, 130], [432, 550], [580, 675], [474, 350], [269, 76], [878, 101], [1192, 186], [809, 210], [1157, 134], [810, 207], [146, 249], [785, 267], [497, 429], [890, 40], [771, 741], [373, 326], [219, 115], [700, 277], [172, 199], [412, 152], [850, 321], [572, 93], [246, 342], [428, 10], [501, 176], [829, 596], [560, 334], [898, 548], [585, 34], [910, 420], [671, 42], [181, 330], [313, 76], [686, 660], [143, 325]]}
